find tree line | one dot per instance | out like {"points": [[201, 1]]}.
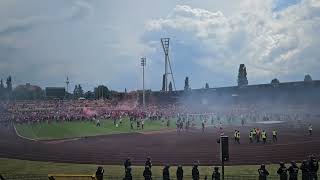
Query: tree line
{"points": [[30, 92]]}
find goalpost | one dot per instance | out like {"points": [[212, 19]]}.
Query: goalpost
{"points": [[199, 118], [71, 177]]}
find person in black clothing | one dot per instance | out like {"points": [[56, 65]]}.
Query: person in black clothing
{"points": [[216, 174], [282, 171], [293, 171], [131, 123], [313, 168], [147, 174], [99, 173], [304, 169], [179, 173], [165, 172], [127, 163], [128, 175], [263, 173], [203, 126], [148, 162], [195, 172]]}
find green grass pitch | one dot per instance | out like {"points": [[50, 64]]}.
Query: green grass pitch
{"points": [[59, 130]]}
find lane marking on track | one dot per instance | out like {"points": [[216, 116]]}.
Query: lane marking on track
{"points": [[23, 137], [158, 131]]}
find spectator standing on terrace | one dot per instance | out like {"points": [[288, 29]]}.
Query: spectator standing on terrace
{"points": [[313, 168], [179, 173], [282, 171], [195, 172], [263, 173], [147, 174], [304, 170], [99, 173], [128, 175], [165, 172], [216, 174], [293, 171], [148, 162]]}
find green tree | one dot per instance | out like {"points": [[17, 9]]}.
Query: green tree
{"points": [[186, 84], [78, 91], [242, 76], [307, 78], [75, 92], [9, 84], [1, 84], [28, 92], [2, 89], [207, 86], [101, 92], [275, 81], [89, 95], [170, 87]]}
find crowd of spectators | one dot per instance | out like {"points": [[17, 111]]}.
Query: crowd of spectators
{"points": [[80, 110]]}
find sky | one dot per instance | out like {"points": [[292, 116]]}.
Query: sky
{"points": [[101, 42]]}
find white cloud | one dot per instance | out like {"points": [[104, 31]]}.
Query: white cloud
{"points": [[79, 10], [282, 44]]}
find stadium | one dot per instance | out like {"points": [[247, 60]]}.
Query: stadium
{"points": [[245, 130], [78, 140]]}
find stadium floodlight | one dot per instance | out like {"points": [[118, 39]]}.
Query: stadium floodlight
{"points": [[165, 47], [143, 64]]}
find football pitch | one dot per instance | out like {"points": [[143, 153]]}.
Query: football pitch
{"points": [[61, 130]]}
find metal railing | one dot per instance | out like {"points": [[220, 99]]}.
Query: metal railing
{"points": [[45, 177], [227, 177]]}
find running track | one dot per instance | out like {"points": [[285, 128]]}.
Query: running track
{"points": [[166, 147]]}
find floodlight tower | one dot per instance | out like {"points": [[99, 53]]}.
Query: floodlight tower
{"points": [[165, 46], [67, 83], [143, 64]]}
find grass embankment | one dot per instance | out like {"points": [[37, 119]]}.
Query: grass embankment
{"points": [[59, 130], [14, 166]]}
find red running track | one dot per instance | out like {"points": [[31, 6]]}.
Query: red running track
{"points": [[166, 147]]}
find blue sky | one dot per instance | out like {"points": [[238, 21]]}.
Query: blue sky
{"points": [[101, 42], [279, 5]]}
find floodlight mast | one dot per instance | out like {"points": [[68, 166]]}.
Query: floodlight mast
{"points": [[167, 66], [67, 83], [66, 92], [143, 64]]}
